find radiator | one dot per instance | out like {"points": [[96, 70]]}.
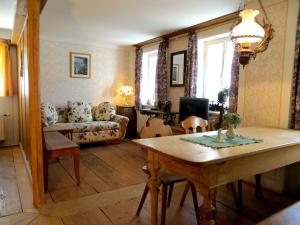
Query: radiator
{"points": [[2, 134]]}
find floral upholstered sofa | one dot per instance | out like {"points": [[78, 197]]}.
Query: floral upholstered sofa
{"points": [[89, 123]]}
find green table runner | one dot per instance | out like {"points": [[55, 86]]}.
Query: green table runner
{"points": [[211, 142]]}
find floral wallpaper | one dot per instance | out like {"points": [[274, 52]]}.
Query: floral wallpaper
{"points": [[109, 70], [262, 78]]}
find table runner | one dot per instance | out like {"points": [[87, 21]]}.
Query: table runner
{"points": [[210, 141]]}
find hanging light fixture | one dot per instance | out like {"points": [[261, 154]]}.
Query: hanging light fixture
{"points": [[249, 36]]}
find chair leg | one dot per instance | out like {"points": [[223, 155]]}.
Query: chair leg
{"points": [[146, 190], [195, 201], [258, 188], [170, 194], [164, 204], [77, 166], [234, 195], [186, 190]]}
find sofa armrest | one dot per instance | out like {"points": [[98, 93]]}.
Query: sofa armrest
{"points": [[123, 121]]}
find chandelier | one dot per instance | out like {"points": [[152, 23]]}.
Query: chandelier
{"points": [[250, 36]]}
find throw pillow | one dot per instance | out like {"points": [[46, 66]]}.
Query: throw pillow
{"points": [[48, 114], [79, 112], [104, 111]]}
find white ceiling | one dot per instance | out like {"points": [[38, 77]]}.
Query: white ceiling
{"points": [[7, 13], [125, 22]]}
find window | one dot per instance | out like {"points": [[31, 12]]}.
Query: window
{"points": [[148, 77], [215, 58]]}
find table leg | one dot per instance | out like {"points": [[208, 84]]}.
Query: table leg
{"points": [[207, 211], [153, 185]]}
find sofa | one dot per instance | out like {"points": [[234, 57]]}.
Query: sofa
{"points": [[89, 123]]}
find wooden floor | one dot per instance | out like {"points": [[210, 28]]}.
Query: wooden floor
{"points": [[112, 184], [15, 185]]}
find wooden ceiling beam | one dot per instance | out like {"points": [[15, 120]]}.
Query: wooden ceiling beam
{"points": [[217, 21], [43, 3], [20, 18]]}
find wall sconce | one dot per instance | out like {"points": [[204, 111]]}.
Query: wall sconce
{"points": [[249, 36], [126, 92]]}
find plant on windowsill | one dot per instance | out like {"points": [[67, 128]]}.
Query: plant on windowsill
{"points": [[222, 98], [232, 119]]}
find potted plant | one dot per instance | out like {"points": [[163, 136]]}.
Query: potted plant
{"points": [[222, 98], [232, 119]]}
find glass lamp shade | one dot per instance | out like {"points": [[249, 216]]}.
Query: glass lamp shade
{"points": [[126, 91], [248, 31]]}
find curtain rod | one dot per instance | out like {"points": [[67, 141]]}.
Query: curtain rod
{"points": [[213, 22]]}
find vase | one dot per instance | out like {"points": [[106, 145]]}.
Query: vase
{"points": [[231, 133], [219, 136]]}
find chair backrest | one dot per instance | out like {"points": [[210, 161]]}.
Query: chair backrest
{"points": [[191, 123], [155, 127]]}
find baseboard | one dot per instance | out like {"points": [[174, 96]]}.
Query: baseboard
{"points": [[27, 166]]}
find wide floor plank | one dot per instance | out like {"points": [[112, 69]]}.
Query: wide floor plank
{"points": [[87, 176], [113, 177], [92, 217], [18, 219], [125, 167], [47, 220], [9, 194]]}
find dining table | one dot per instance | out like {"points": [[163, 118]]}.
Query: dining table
{"points": [[208, 168]]}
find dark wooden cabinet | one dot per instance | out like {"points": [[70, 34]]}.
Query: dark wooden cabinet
{"points": [[130, 112]]}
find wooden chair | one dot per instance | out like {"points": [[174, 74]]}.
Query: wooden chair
{"points": [[155, 127], [56, 145], [190, 125]]}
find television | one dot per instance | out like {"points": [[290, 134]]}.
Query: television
{"points": [[193, 107]]}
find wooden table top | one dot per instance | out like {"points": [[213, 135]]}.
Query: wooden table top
{"points": [[57, 141], [194, 153], [58, 128]]}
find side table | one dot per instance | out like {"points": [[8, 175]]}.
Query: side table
{"points": [[65, 130], [130, 112]]}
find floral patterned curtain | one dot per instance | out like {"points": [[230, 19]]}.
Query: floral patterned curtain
{"points": [[233, 90], [138, 76], [295, 101], [6, 81], [192, 67], [161, 83]]}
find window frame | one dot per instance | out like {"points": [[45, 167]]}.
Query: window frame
{"points": [[202, 76], [148, 55]]}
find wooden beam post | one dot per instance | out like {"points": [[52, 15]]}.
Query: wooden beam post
{"points": [[34, 101]]}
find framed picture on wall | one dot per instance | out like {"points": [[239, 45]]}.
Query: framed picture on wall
{"points": [[80, 65]]}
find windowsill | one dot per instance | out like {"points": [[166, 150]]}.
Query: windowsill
{"points": [[149, 107], [213, 113]]}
